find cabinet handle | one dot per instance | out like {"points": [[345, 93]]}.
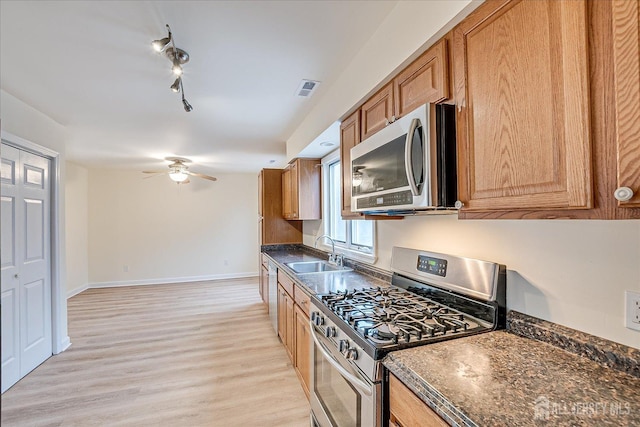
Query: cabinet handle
{"points": [[393, 119], [387, 122], [622, 194]]}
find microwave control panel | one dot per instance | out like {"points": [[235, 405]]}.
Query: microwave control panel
{"points": [[391, 199]]}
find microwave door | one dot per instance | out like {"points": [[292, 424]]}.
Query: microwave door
{"points": [[415, 157]]}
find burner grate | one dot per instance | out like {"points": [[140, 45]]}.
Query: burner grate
{"points": [[394, 315]]}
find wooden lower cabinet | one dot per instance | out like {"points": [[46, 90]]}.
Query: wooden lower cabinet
{"points": [[407, 410], [285, 320], [302, 356]]}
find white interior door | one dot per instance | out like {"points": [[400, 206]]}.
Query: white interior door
{"points": [[25, 263]]}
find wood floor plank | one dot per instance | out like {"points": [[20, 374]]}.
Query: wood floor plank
{"points": [[187, 354]]}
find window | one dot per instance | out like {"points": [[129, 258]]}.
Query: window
{"points": [[354, 238]]}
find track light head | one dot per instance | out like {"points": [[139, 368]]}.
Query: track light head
{"points": [[160, 45], [177, 69], [176, 85], [187, 106]]}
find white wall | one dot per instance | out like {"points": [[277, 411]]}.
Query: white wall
{"points": [[24, 121], [77, 223], [164, 232], [571, 272]]}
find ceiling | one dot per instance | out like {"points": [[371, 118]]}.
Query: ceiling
{"points": [[89, 66]]}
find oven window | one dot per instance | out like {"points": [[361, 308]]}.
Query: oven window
{"points": [[341, 402]]}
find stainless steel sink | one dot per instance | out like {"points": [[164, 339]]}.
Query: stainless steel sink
{"points": [[308, 267]]}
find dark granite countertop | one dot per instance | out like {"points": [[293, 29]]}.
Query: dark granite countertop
{"points": [[323, 283], [502, 379]]}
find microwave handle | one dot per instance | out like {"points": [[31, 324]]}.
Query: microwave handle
{"points": [[408, 146], [362, 386]]}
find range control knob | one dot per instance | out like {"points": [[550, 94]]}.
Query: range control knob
{"points": [[352, 354], [330, 332], [319, 320], [343, 346]]}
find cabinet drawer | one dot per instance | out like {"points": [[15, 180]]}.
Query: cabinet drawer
{"points": [[302, 299], [264, 260], [286, 282]]}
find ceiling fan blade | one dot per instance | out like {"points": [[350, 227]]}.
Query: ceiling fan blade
{"points": [[201, 175], [186, 181], [154, 174]]}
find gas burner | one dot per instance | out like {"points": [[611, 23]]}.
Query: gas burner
{"points": [[392, 315]]}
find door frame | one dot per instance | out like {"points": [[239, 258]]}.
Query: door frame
{"points": [[59, 333]]}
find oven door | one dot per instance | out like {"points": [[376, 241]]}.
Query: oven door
{"points": [[341, 396]]}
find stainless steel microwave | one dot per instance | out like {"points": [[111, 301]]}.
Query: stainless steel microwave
{"points": [[408, 166]]}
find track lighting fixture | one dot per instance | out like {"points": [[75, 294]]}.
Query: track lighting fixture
{"points": [[176, 85], [159, 45], [178, 58]]}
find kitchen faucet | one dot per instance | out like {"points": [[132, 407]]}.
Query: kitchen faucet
{"points": [[333, 257]]}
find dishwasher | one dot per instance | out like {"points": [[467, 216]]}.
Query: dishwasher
{"points": [[273, 295]]}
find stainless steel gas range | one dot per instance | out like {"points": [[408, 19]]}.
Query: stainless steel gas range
{"points": [[432, 297]]}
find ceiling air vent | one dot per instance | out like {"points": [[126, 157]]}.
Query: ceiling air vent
{"points": [[307, 87]]}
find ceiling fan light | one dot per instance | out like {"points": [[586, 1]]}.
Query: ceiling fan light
{"points": [[160, 45], [178, 176], [176, 85]]}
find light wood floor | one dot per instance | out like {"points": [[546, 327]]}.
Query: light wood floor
{"points": [[197, 354]]}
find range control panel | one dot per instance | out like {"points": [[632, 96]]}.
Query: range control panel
{"points": [[432, 265]]}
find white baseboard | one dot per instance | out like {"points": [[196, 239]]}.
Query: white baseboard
{"points": [[63, 345], [163, 281], [76, 291]]}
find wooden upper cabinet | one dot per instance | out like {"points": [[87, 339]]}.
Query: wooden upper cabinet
{"points": [[626, 57], [273, 227], [425, 80], [301, 198], [522, 91], [349, 138], [287, 196], [377, 112]]}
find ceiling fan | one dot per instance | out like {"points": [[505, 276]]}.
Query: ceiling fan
{"points": [[179, 172]]}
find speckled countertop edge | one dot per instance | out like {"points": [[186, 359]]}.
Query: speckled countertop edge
{"points": [[428, 394], [605, 352]]}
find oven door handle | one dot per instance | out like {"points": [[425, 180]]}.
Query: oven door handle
{"points": [[356, 382]]}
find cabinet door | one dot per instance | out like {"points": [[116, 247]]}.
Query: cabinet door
{"points": [[521, 78], [626, 56], [377, 112], [294, 190], [289, 327], [425, 80], [407, 410], [303, 355], [287, 202], [349, 138]]}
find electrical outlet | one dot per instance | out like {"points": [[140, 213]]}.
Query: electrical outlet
{"points": [[125, 268], [632, 310], [226, 262]]}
